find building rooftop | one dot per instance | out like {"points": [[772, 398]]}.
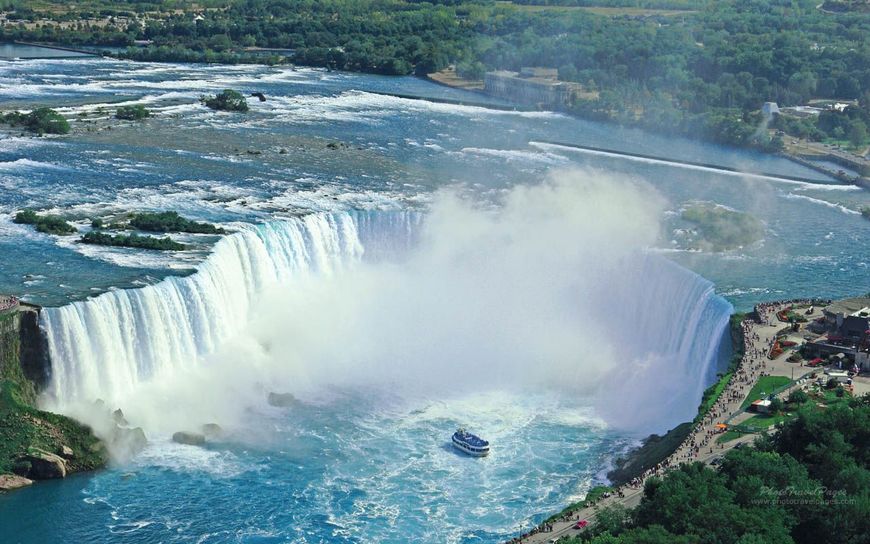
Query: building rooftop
{"points": [[848, 306]]}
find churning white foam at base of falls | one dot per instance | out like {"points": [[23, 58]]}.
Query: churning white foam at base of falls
{"points": [[553, 292]]}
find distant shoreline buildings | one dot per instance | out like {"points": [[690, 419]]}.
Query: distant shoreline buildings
{"points": [[531, 86]]}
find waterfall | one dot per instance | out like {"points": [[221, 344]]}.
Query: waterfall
{"points": [[104, 346], [661, 324], [667, 324]]}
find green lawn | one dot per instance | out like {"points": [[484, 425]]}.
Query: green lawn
{"points": [[764, 420], [728, 436], [831, 397], [764, 387]]}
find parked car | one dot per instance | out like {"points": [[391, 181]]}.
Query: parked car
{"points": [[581, 524]]}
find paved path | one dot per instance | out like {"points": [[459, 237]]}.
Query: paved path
{"points": [[701, 443]]}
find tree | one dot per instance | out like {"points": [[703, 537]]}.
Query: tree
{"points": [[227, 100], [40, 121], [776, 405], [857, 132], [132, 113]]}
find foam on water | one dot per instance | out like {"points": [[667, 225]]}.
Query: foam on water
{"points": [[834, 205], [25, 165], [746, 175]]}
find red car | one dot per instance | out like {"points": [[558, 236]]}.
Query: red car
{"points": [[581, 524]]}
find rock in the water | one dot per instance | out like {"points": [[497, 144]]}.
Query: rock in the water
{"points": [[44, 465], [281, 400], [8, 482], [125, 442], [119, 417], [66, 452], [212, 429], [189, 438], [261, 96]]}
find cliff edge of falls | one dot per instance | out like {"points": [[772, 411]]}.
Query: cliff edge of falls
{"points": [[35, 444]]}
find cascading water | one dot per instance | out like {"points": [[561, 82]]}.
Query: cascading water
{"points": [[104, 346], [667, 326], [662, 323], [369, 456]]}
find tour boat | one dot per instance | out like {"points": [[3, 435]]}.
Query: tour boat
{"points": [[471, 444]]}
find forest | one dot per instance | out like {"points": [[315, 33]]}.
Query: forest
{"points": [[808, 483], [692, 67]]}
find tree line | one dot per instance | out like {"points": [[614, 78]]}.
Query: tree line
{"points": [[702, 72]]}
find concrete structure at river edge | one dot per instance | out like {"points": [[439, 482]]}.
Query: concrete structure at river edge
{"points": [[531, 86]]}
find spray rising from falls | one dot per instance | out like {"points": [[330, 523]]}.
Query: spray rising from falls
{"points": [[552, 291]]}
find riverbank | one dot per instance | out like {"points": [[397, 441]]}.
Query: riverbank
{"points": [[758, 332], [800, 155]]}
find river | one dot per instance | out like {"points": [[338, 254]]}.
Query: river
{"points": [[547, 313]]}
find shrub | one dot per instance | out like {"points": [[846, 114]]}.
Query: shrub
{"points": [[26, 217], [49, 224], [171, 222], [132, 240], [226, 100], [798, 396], [132, 113], [40, 120], [775, 405]]}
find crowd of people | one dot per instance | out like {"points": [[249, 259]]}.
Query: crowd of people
{"points": [[7, 302], [766, 311]]}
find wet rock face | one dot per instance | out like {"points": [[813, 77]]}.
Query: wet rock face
{"points": [[35, 362], [127, 442], [188, 438], [119, 418], [46, 466]]}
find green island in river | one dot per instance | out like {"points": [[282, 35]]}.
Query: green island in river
{"points": [[163, 222]]}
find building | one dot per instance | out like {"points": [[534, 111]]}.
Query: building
{"points": [[532, 86], [838, 311], [761, 406], [847, 323], [769, 108]]}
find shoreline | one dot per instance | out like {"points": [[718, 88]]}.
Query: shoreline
{"points": [[861, 181], [476, 87]]}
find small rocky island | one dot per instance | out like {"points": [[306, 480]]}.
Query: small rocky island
{"points": [[228, 100], [153, 222], [718, 228], [39, 121]]}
